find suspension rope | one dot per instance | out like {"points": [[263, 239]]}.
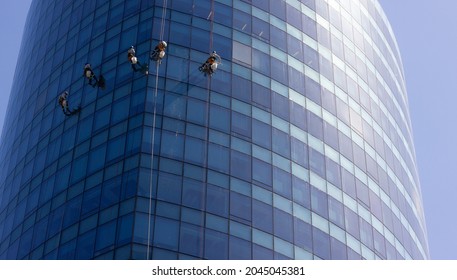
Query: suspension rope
{"points": [[208, 85], [162, 23], [211, 18], [162, 31]]}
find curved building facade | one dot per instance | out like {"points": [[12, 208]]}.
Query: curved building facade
{"points": [[298, 147]]}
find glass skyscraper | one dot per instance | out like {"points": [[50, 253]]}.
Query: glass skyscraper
{"points": [[299, 146]]}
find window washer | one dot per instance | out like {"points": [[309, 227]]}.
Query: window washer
{"points": [[93, 80], [211, 64], [134, 61], [159, 51], [89, 74], [63, 102]]}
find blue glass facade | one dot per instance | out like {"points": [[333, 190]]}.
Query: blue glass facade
{"points": [[298, 147]]}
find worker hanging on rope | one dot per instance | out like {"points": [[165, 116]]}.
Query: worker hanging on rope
{"points": [[134, 62], [159, 51], [210, 66], [93, 80], [63, 102]]}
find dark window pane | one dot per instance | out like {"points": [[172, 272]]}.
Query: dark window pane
{"points": [[319, 202], [181, 34], [241, 124], [195, 151], [261, 95], [281, 143], [283, 227], [339, 250], [172, 145], [280, 70], [106, 235], [261, 134], [193, 194], [219, 118], [169, 188], [240, 165], [261, 171], [298, 115], [217, 201], [336, 212], [85, 247], [191, 240], [218, 158], [321, 244], [239, 249], [125, 229], [196, 111], [282, 183], [303, 235], [317, 162], [278, 8], [366, 233], [352, 222], [261, 253], [301, 191], [333, 172], [241, 88], [240, 206], [216, 245], [241, 21], [280, 106], [166, 233], [260, 28], [262, 216], [299, 152]]}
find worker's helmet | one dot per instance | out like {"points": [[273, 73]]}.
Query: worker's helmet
{"points": [[164, 44]]}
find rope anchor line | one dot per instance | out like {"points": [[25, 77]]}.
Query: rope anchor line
{"points": [[162, 31]]}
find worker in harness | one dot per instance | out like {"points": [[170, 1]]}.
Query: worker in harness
{"points": [[93, 80], [211, 64], [159, 51], [63, 102], [134, 62], [90, 75]]}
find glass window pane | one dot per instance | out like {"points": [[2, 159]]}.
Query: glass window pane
{"points": [[191, 240], [239, 249], [283, 226], [261, 171], [216, 245], [321, 244], [106, 235], [166, 233], [303, 235], [261, 134], [172, 145], [240, 165], [217, 201], [218, 158], [169, 188], [193, 194], [262, 215], [240, 206]]}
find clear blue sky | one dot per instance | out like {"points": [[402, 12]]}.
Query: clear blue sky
{"points": [[12, 20], [427, 36]]}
